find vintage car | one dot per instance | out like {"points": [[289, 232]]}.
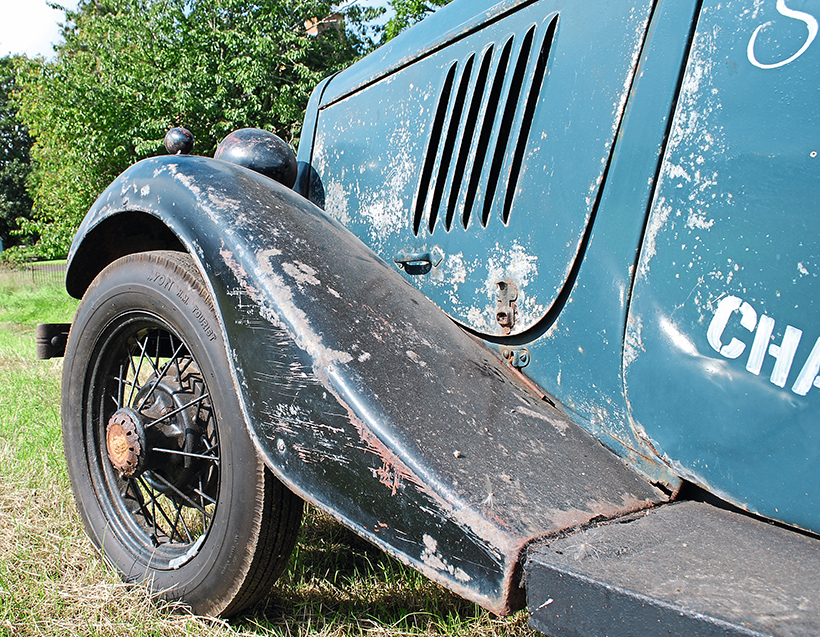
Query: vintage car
{"points": [[533, 310]]}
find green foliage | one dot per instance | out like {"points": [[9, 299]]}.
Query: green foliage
{"points": [[408, 13], [128, 70], [14, 158]]}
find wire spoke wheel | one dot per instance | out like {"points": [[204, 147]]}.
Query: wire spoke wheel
{"points": [[157, 426], [166, 478]]}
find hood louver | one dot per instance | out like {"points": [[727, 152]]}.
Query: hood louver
{"points": [[480, 132]]}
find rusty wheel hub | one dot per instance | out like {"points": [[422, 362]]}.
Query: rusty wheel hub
{"points": [[125, 442]]}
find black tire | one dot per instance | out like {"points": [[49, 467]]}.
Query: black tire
{"points": [[168, 483]]}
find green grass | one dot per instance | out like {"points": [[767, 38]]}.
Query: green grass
{"points": [[24, 304], [52, 582], [51, 262]]}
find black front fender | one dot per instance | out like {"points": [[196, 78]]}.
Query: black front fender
{"points": [[362, 396]]}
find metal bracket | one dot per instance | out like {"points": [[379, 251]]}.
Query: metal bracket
{"points": [[51, 339], [518, 357], [506, 295]]}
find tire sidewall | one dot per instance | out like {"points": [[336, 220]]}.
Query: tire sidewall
{"points": [[162, 284]]}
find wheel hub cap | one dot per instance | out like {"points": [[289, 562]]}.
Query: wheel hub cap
{"points": [[124, 442]]}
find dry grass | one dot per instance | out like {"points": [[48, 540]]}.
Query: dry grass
{"points": [[52, 582]]}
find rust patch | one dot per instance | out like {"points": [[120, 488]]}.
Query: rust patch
{"points": [[393, 473], [574, 518]]}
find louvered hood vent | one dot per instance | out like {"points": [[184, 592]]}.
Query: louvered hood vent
{"points": [[480, 132]]}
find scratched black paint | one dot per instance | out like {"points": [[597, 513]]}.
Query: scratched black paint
{"points": [[361, 394]]}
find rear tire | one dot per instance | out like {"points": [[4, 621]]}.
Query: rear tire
{"points": [[168, 483]]}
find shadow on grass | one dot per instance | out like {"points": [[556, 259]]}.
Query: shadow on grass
{"points": [[338, 583]]}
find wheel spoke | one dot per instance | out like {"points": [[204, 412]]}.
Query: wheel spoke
{"points": [[175, 452], [159, 342], [161, 374], [145, 356], [181, 370], [204, 495], [122, 383], [136, 369], [184, 523], [201, 494], [146, 514], [179, 519], [210, 448], [195, 401], [157, 505], [190, 502], [120, 389], [145, 349]]}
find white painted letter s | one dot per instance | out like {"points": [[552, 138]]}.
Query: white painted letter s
{"points": [[782, 9]]}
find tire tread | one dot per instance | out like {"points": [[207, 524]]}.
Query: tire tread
{"points": [[273, 524]]}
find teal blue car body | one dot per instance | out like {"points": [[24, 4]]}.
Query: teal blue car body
{"points": [[524, 233], [646, 174]]}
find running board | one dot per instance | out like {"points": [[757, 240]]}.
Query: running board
{"points": [[680, 569]]}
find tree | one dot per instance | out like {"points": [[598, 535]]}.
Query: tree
{"points": [[128, 70], [408, 13], [14, 159]]}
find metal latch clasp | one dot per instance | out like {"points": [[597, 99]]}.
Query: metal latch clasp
{"points": [[506, 296]]}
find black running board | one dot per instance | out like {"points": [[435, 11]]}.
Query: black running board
{"points": [[680, 569]]}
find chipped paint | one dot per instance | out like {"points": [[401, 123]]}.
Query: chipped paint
{"points": [[336, 202], [415, 358], [392, 473], [689, 173], [477, 306], [575, 517], [657, 221], [437, 561], [384, 209], [454, 272], [697, 221], [282, 311], [633, 344], [560, 426], [638, 24], [303, 274]]}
